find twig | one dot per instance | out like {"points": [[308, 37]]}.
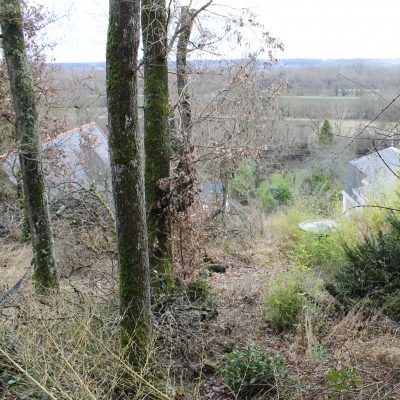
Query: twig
{"points": [[390, 169]]}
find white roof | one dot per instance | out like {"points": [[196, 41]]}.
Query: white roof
{"points": [[378, 168]]}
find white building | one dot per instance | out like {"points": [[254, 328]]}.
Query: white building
{"points": [[369, 177]]}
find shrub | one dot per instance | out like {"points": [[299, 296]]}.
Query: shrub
{"points": [[323, 251], [371, 268], [267, 201], [199, 290], [281, 193], [291, 297], [243, 184], [284, 303], [274, 191], [343, 380], [326, 133], [317, 183], [250, 369]]}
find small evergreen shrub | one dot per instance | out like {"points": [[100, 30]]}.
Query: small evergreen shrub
{"points": [[281, 193], [284, 303], [343, 380], [243, 185], [251, 369], [199, 290], [371, 268], [326, 133], [273, 192]]}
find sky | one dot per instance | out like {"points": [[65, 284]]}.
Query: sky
{"points": [[322, 29]]}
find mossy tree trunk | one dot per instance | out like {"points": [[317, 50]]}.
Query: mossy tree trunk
{"points": [[21, 84], [156, 138], [128, 180]]}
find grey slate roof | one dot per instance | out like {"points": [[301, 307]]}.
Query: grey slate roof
{"points": [[375, 169], [77, 157]]}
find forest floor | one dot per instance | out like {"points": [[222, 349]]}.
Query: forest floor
{"points": [[328, 355], [239, 293]]}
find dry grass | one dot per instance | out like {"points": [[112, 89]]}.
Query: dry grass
{"points": [[66, 347], [15, 259]]}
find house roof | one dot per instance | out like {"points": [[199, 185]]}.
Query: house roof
{"points": [[79, 155], [82, 152], [376, 168]]}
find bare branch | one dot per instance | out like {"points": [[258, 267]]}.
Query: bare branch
{"points": [[390, 169], [182, 27]]}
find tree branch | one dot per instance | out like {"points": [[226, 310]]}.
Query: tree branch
{"points": [[181, 28]]}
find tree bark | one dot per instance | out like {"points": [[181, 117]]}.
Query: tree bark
{"points": [[156, 138], [21, 84], [128, 180], [186, 24]]}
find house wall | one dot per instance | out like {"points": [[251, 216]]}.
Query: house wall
{"points": [[348, 203], [369, 178]]}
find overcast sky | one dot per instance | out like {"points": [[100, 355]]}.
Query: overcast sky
{"points": [[308, 28]]}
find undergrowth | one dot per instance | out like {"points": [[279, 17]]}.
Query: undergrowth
{"points": [[251, 369], [288, 298], [67, 346]]}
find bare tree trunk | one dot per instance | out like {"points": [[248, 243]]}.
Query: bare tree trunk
{"points": [[156, 138], [128, 180], [225, 174], [186, 24], [21, 84]]}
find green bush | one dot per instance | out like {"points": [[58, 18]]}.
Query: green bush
{"points": [[317, 183], [371, 268], [281, 193], [343, 380], [251, 369], [274, 191], [293, 296], [243, 184], [326, 133], [199, 290], [267, 201], [318, 251], [284, 303]]}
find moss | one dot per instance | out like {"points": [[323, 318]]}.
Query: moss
{"points": [[128, 183], [157, 138], [26, 230]]}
